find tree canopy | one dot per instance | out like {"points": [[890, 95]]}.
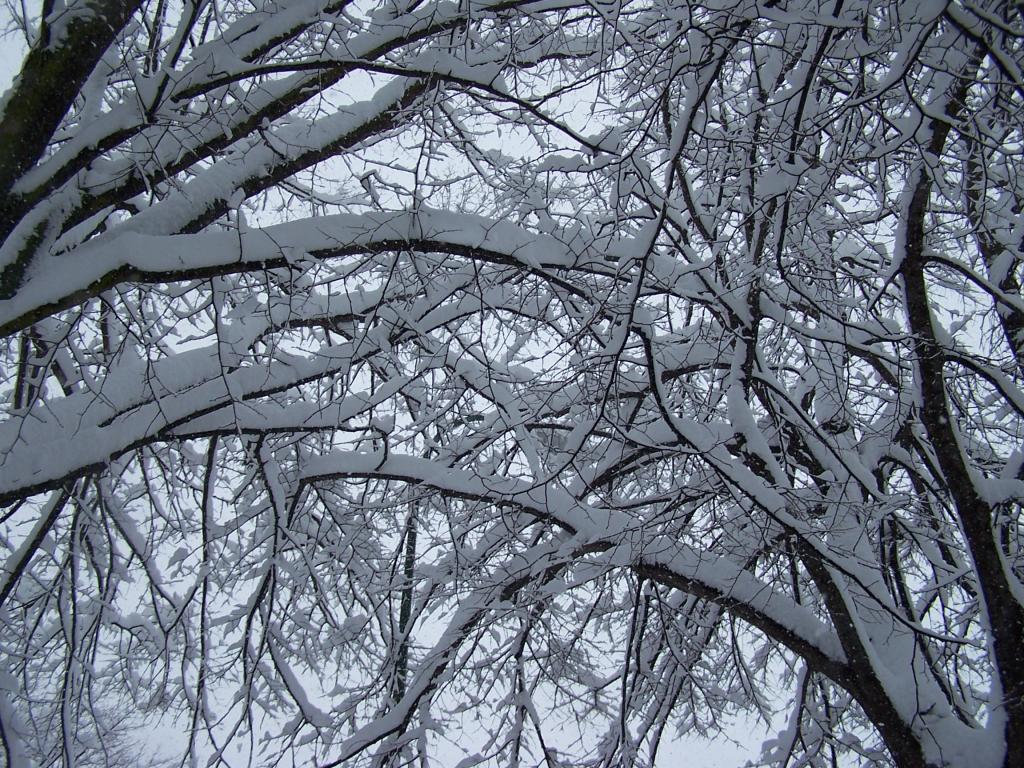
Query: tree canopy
{"points": [[531, 381]]}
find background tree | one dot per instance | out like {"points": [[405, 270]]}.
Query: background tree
{"points": [[574, 374]]}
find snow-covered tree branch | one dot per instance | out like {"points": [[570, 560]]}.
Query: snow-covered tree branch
{"points": [[512, 383]]}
